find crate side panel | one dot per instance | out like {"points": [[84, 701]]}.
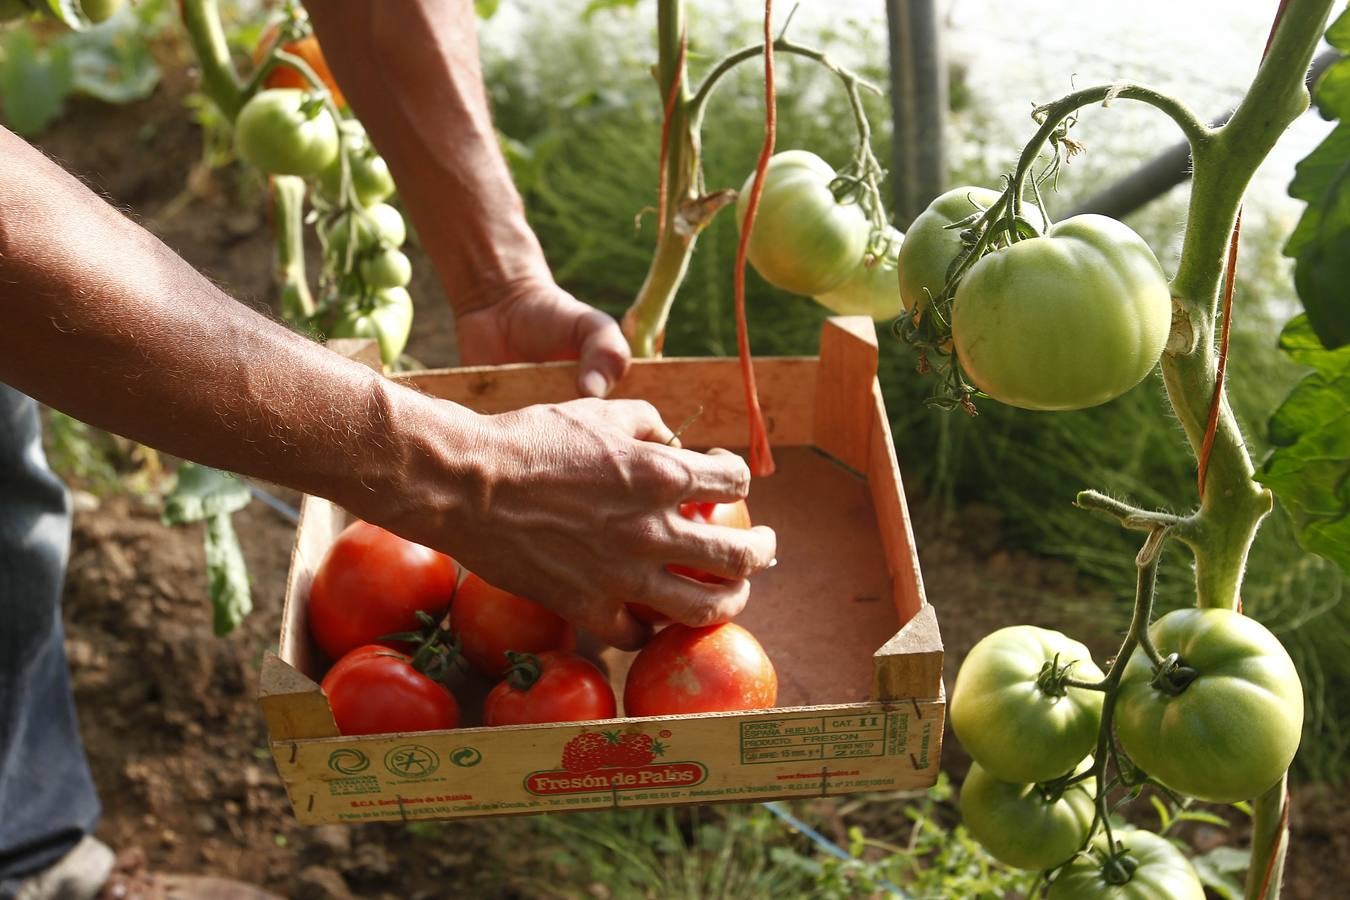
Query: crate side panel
{"points": [[888, 498], [757, 756], [710, 388], [320, 524]]}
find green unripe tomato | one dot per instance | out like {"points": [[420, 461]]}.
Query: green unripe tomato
{"points": [[387, 319], [804, 240], [1160, 872], [1065, 321], [387, 268], [371, 179], [871, 289], [1013, 722], [931, 247], [1019, 824], [99, 10], [277, 134], [1228, 727], [381, 225]]}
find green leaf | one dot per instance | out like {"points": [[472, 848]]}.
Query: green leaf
{"points": [[1309, 467], [1219, 870], [1338, 35], [1332, 91], [34, 81], [203, 493], [486, 9], [113, 63], [227, 575]]}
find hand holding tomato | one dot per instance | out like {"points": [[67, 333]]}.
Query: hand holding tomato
{"points": [[724, 515], [575, 506]]}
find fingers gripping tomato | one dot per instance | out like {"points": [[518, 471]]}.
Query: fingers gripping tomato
{"points": [[1151, 868], [1065, 321], [1012, 712], [930, 246], [718, 668], [490, 621], [803, 239], [730, 515], [1027, 825], [871, 289], [386, 317], [1222, 721], [551, 687], [375, 690], [372, 583], [284, 131]]}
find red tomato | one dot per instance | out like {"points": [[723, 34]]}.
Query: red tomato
{"points": [[489, 621], [717, 668], [551, 687], [372, 583], [732, 515], [375, 690], [308, 49]]}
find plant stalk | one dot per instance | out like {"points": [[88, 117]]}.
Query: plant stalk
{"points": [[205, 33]]}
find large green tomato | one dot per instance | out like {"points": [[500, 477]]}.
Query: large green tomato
{"points": [[1065, 321], [871, 289], [388, 319], [99, 10], [1010, 717], [804, 240], [276, 135], [1020, 825], [1160, 872], [1225, 726]]}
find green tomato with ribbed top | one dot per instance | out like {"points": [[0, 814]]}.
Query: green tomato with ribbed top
{"points": [[1012, 712], [387, 318], [286, 131], [1068, 320], [1029, 826], [804, 239], [1152, 868], [1222, 720]]}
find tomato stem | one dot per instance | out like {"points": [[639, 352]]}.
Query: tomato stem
{"points": [[206, 34], [524, 670]]}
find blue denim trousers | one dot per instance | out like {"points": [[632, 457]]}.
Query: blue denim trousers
{"points": [[47, 796]]}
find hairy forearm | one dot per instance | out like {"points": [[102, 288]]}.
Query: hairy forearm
{"points": [[411, 72], [102, 321]]}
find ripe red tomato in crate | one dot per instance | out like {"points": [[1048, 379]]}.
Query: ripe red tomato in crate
{"points": [[372, 583], [717, 668], [551, 687], [490, 621], [376, 690]]}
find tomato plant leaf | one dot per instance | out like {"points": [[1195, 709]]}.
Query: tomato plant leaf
{"points": [[1320, 244], [227, 575], [1219, 870], [113, 63], [1309, 467], [202, 493], [34, 81]]}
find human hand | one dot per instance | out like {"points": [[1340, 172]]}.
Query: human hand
{"points": [[537, 321], [575, 506]]}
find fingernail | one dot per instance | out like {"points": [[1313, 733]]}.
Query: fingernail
{"points": [[773, 562], [594, 384]]}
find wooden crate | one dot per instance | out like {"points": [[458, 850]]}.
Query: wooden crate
{"points": [[843, 617]]}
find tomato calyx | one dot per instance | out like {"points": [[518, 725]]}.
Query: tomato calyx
{"points": [[524, 670], [437, 648], [1172, 675], [1118, 868], [1053, 680]]}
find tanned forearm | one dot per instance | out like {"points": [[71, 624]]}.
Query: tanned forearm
{"points": [[411, 73], [103, 321]]}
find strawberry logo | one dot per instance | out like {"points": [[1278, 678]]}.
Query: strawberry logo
{"points": [[597, 750], [584, 752]]}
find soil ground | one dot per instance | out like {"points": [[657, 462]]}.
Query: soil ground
{"points": [[168, 711]]}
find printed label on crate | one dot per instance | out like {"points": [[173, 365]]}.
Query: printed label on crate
{"points": [[481, 771]]}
